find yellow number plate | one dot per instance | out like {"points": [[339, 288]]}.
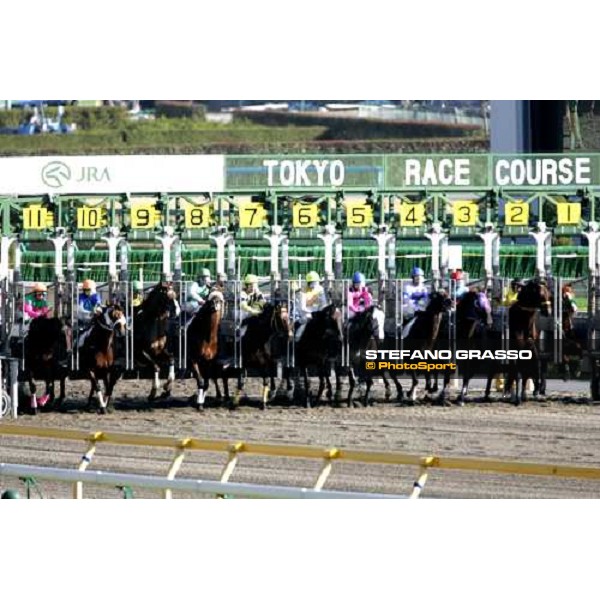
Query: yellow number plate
{"points": [[144, 215], [305, 215], [412, 215], [465, 213], [91, 218], [197, 216], [36, 216], [516, 213], [359, 214], [252, 214], [568, 213]]}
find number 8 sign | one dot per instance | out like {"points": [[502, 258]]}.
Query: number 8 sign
{"points": [[197, 216]]}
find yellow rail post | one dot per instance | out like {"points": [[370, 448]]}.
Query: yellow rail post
{"points": [[86, 459], [330, 455], [176, 465], [233, 455], [419, 484]]}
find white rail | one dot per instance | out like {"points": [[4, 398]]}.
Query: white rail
{"points": [[196, 486]]}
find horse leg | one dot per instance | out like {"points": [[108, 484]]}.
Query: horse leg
{"points": [[103, 397], [170, 379], [156, 381], [369, 385], [412, 393], [306, 386], [32, 389], [351, 386], [465, 387], [62, 395], [199, 386], [48, 396], [443, 397], [112, 377], [321, 388], [218, 395], [265, 391]]}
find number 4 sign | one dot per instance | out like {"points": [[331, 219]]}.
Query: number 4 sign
{"points": [[411, 214]]}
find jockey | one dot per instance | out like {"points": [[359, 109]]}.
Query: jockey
{"points": [[198, 292], [460, 287], [360, 298], [310, 300], [415, 294], [569, 305], [36, 303], [138, 294], [510, 296], [252, 302], [88, 303]]}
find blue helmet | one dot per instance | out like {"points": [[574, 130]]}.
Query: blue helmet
{"points": [[358, 277], [416, 272]]}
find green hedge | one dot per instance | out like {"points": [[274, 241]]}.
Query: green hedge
{"points": [[86, 117]]}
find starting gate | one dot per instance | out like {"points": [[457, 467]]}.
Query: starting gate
{"points": [[63, 219]]}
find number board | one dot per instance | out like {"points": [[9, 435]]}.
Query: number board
{"points": [[358, 214], [516, 213], [568, 213], [91, 218], [197, 216], [252, 214], [412, 214], [465, 213], [144, 215], [36, 216], [305, 215]]}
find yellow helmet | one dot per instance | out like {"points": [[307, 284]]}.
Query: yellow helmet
{"points": [[313, 277], [250, 279], [40, 287]]}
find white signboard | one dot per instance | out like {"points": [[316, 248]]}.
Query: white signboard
{"points": [[111, 174]]}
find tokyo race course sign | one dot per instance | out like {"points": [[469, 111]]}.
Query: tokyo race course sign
{"points": [[406, 172]]}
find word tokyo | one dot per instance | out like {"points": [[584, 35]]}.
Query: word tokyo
{"points": [[447, 355]]}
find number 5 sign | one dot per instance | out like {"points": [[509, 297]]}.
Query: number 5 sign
{"points": [[358, 214]]}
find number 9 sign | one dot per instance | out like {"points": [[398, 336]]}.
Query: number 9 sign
{"points": [[144, 215]]}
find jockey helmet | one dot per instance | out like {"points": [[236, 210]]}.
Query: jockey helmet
{"points": [[456, 275], [138, 286], [250, 279], [358, 277], [204, 273], [40, 287], [89, 284], [10, 495], [417, 272], [313, 277]]}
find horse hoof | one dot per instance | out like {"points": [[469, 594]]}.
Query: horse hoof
{"points": [[200, 407]]}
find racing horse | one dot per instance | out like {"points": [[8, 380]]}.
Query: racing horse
{"points": [[97, 354], [202, 344], [362, 336], [474, 332], [572, 346], [423, 333], [264, 342], [534, 296], [320, 346], [150, 335], [47, 354]]}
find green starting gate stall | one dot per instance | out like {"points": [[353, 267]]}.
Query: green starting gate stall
{"points": [[116, 219]]}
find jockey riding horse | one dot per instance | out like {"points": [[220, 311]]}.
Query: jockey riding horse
{"points": [[151, 335], [97, 353]]}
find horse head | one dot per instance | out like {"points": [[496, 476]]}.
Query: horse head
{"points": [[279, 318], [535, 294], [113, 319], [439, 302], [363, 327], [157, 300]]}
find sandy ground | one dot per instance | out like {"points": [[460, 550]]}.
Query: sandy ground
{"points": [[563, 430]]}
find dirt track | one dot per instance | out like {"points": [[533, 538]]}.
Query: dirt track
{"points": [[551, 432]]}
